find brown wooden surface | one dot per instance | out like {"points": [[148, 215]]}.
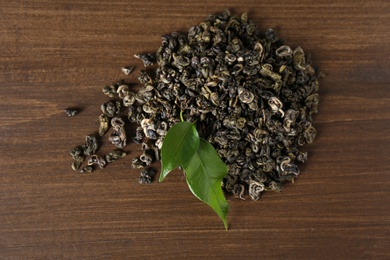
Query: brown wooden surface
{"points": [[55, 54]]}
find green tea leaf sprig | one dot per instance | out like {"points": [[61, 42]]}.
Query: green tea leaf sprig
{"points": [[203, 168]]}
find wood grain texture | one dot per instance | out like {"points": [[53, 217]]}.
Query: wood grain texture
{"points": [[56, 54]]}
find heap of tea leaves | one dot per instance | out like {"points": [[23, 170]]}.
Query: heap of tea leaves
{"points": [[247, 99]]}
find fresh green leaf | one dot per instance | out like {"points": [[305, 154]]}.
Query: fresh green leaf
{"points": [[180, 144], [203, 167], [204, 173]]}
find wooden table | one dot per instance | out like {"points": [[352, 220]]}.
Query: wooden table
{"points": [[56, 54]]}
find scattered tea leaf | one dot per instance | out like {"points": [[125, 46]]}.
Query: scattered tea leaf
{"points": [[71, 111]]}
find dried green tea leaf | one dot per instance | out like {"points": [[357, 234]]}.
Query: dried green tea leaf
{"points": [[104, 124], [180, 144], [204, 174], [71, 111], [91, 145]]}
